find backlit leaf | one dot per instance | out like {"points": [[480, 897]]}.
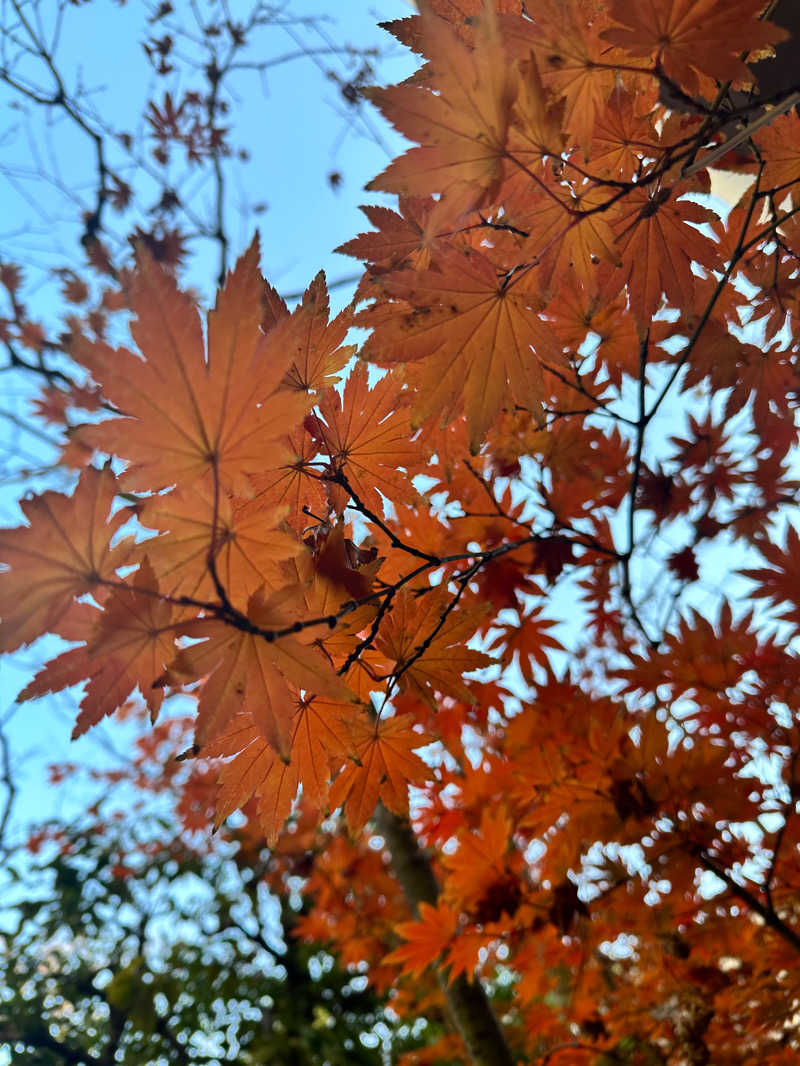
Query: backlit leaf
{"points": [[64, 552]]}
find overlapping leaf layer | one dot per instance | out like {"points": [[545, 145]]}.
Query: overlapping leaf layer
{"points": [[576, 399]]}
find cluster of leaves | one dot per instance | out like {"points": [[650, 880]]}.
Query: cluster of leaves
{"points": [[351, 571]]}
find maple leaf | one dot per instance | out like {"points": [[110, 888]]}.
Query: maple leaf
{"points": [[619, 130], [74, 289], [427, 938], [584, 465], [658, 247], [479, 861], [573, 61], [779, 582], [465, 952], [580, 236], [528, 641], [320, 733], [250, 671], [247, 547], [482, 339], [63, 553], [463, 127], [766, 376], [700, 657], [253, 758], [315, 345], [182, 414], [11, 277], [696, 42], [127, 646], [719, 356], [407, 238], [779, 144], [322, 738], [366, 434], [386, 766], [428, 644], [295, 484]]}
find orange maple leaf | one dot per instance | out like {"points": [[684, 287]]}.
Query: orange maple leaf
{"points": [[385, 768], [779, 143], [127, 645], [367, 436], [335, 572], [182, 414], [314, 344], [579, 237], [426, 938], [481, 336], [248, 670], [658, 246], [247, 546], [406, 238], [428, 644], [621, 131], [529, 641], [320, 734], [480, 859], [463, 127], [573, 63], [695, 42], [294, 484], [65, 552], [254, 768]]}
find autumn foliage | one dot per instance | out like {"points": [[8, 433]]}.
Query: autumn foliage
{"points": [[514, 591]]}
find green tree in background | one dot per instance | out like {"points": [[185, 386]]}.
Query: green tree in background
{"points": [[125, 943]]}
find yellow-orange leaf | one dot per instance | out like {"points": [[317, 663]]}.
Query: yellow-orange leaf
{"points": [[249, 671], [386, 766], [463, 128], [127, 645], [64, 552], [185, 414], [482, 339]]}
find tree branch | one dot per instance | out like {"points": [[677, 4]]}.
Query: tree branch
{"points": [[766, 913]]}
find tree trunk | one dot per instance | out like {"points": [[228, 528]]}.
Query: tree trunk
{"points": [[467, 1002]]}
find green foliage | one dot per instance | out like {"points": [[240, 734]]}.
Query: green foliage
{"points": [[124, 944]]}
